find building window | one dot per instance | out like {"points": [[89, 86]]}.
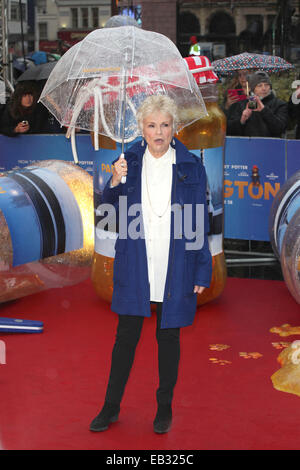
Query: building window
{"points": [[270, 21], [95, 18], [74, 17], [15, 13], [138, 14], [84, 17], [42, 7], [43, 30], [134, 12], [255, 24]]}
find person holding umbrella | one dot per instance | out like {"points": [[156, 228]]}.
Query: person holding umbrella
{"points": [[237, 89], [264, 116], [159, 267]]}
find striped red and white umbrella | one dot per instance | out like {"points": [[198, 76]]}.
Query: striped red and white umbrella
{"points": [[201, 69], [251, 61]]}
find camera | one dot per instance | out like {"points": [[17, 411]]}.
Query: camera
{"points": [[24, 122], [252, 102]]}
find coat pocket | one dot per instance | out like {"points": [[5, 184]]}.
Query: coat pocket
{"points": [[189, 272]]}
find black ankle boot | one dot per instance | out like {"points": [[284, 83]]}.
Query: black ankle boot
{"points": [[108, 414], [163, 419]]}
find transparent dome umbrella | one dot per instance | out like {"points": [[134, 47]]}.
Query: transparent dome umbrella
{"points": [[100, 82], [120, 20]]}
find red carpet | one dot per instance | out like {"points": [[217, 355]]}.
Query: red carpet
{"points": [[53, 383]]}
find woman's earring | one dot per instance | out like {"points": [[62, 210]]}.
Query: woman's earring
{"points": [[143, 142], [173, 141]]}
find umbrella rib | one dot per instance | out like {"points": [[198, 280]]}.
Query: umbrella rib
{"points": [[75, 56], [132, 55], [82, 96], [98, 91], [109, 48], [96, 120]]}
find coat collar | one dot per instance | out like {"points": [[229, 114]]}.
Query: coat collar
{"points": [[268, 98]]}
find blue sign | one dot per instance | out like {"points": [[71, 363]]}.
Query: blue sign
{"points": [[253, 174], [18, 152]]}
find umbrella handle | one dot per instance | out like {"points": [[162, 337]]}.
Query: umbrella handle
{"points": [[73, 145], [123, 179]]}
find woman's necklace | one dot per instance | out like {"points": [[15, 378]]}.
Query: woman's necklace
{"points": [[148, 194]]}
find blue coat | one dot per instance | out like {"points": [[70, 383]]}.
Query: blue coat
{"points": [[186, 268]]}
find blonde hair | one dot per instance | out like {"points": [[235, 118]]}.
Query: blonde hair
{"points": [[155, 103]]}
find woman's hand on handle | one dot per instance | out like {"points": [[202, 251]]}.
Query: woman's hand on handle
{"points": [[119, 170]]}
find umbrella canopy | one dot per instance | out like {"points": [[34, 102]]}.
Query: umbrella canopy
{"points": [[38, 57], [120, 20], [21, 64], [249, 61], [38, 72], [101, 81]]}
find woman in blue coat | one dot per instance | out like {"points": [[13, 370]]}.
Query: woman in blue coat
{"points": [[162, 254]]}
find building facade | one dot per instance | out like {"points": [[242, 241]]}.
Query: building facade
{"points": [[270, 26], [256, 25], [17, 23], [62, 23]]}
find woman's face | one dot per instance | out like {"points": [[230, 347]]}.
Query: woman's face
{"points": [[262, 89], [158, 132], [242, 76], [27, 100]]}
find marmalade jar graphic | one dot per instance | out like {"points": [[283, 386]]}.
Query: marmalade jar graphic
{"points": [[205, 138], [103, 260]]}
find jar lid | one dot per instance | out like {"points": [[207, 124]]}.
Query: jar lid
{"points": [[201, 69]]}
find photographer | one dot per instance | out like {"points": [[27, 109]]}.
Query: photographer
{"points": [[262, 115], [22, 114]]}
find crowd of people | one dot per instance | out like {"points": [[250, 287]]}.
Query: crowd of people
{"points": [[253, 110], [263, 115]]}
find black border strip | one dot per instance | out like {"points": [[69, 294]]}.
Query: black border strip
{"points": [[55, 207], [43, 213]]}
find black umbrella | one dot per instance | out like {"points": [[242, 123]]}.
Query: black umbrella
{"points": [[39, 72]]}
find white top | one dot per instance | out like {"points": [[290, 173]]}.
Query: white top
{"points": [[156, 206]]}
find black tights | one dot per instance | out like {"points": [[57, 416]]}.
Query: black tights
{"points": [[127, 337]]}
